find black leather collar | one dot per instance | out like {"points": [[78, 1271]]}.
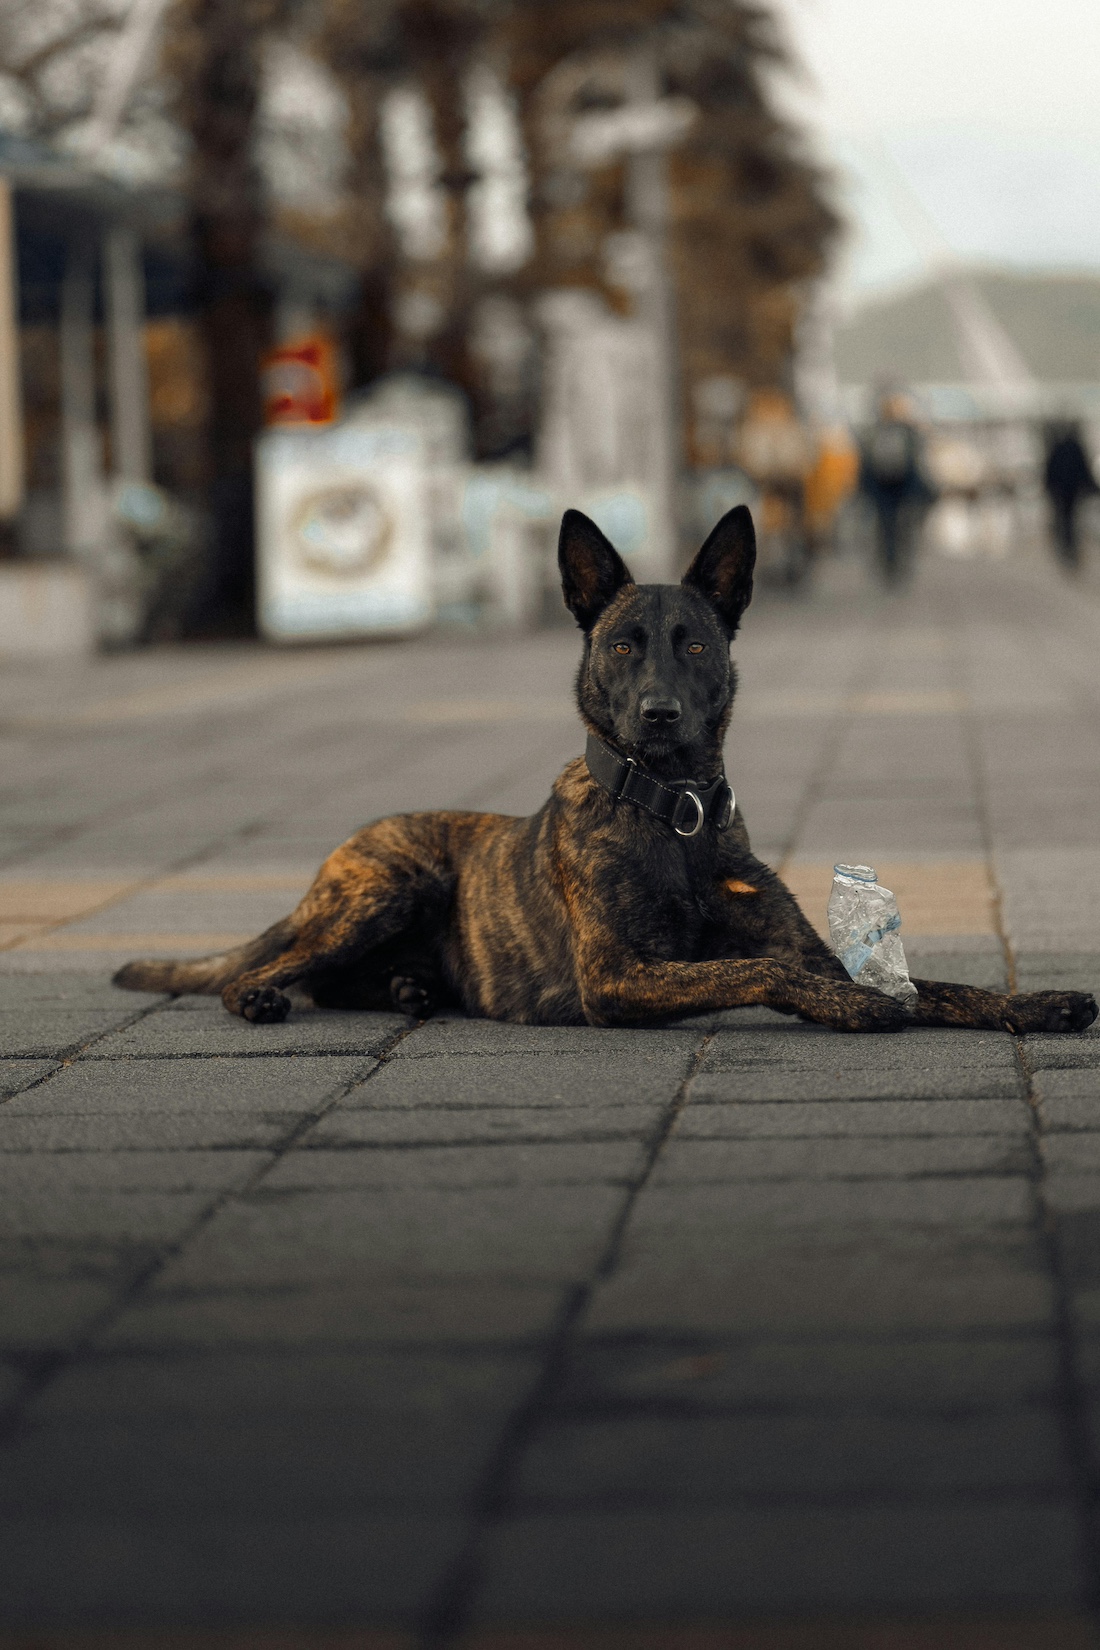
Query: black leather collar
{"points": [[682, 803]]}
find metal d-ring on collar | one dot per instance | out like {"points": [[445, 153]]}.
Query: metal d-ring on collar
{"points": [[675, 802]]}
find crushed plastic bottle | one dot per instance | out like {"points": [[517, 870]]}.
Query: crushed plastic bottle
{"points": [[865, 928]]}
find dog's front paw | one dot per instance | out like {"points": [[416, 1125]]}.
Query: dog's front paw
{"points": [[264, 1005], [1050, 1011]]}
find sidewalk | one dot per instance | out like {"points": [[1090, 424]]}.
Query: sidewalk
{"points": [[522, 1338]]}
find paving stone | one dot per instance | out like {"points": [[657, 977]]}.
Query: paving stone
{"points": [[1088, 1368], [38, 1030], [322, 1032], [20, 1074], [1058, 971], [698, 1162], [472, 1167], [287, 1383], [1074, 1113], [267, 1466], [38, 1313], [755, 1084], [713, 1214], [104, 1216], [553, 1080], [1070, 1192], [108, 1572], [985, 968], [843, 1118], [274, 1089], [678, 1461], [1076, 1082], [442, 1126], [11, 1382], [705, 1565], [66, 989], [535, 1232], [130, 1131], [832, 1283], [354, 1312], [1064, 1053], [1075, 1152], [698, 1374], [453, 1035], [65, 1174], [811, 1049]]}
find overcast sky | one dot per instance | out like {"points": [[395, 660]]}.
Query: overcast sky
{"points": [[986, 111]]}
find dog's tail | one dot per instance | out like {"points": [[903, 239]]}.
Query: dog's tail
{"points": [[206, 976]]}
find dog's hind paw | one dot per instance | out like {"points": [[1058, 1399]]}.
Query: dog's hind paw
{"points": [[264, 1005], [409, 996], [1050, 1011]]}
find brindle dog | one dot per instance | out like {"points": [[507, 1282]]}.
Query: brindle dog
{"points": [[595, 909]]}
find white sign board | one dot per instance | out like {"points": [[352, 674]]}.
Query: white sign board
{"points": [[344, 537], [601, 433]]}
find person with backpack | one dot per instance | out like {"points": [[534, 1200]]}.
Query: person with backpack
{"points": [[892, 479]]}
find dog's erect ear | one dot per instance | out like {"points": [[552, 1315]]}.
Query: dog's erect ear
{"points": [[592, 570], [722, 571]]}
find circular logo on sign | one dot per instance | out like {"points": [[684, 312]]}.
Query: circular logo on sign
{"points": [[342, 530]]}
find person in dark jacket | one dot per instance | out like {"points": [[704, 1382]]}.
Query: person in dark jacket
{"points": [[892, 478], [1067, 478]]}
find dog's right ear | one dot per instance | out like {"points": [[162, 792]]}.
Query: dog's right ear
{"points": [[592, 570]]}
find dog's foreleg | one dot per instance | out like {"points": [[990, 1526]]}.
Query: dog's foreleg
{"points": [[940, 1003], [641, 991]]}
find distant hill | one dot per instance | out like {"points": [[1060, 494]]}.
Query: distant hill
{"points": [[1054, 320]]}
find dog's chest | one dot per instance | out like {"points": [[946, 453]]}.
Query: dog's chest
{"points": [[666, 900]]}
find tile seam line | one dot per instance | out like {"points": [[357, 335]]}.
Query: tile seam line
{"points": [[61, 1062], [49, 1368], [448, 1610], [1071, 1404], [1079, 1452]]}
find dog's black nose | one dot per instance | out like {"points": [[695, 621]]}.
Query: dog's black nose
{"points": [[661, 710]]}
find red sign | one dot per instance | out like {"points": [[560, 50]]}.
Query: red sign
{"points": [[300, 383]]}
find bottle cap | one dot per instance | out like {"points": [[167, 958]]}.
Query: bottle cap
{"points": [[857, 873]]}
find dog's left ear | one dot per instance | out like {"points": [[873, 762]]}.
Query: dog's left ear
{"points": [[722, 571], [592, 570]]}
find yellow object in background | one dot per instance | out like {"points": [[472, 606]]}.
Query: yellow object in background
{"points": [[832, 478]]}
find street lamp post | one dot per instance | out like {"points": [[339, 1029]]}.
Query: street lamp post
{"points": [[643, 129]]}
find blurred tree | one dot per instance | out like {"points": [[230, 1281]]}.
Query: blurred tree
{"points": [[749, 213], [212, 57], [50, 51], [415, 305]]}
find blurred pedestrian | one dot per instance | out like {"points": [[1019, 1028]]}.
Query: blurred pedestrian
{"points": [[892, 477], [775, 449], [1067, 478]]}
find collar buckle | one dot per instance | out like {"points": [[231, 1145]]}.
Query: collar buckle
{"points": [[689, 795]]}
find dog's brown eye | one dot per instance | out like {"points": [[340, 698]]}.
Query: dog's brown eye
{"points": [[697, 647], [621, 647]]}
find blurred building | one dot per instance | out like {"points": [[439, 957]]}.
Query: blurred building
{"points": [[913, 337]]}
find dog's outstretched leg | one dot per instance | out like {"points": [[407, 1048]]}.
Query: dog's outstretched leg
{"points": [[940, 1003], [636, 992]]}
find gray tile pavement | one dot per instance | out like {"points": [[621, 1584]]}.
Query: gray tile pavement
{"points": [[347, 1323]]}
